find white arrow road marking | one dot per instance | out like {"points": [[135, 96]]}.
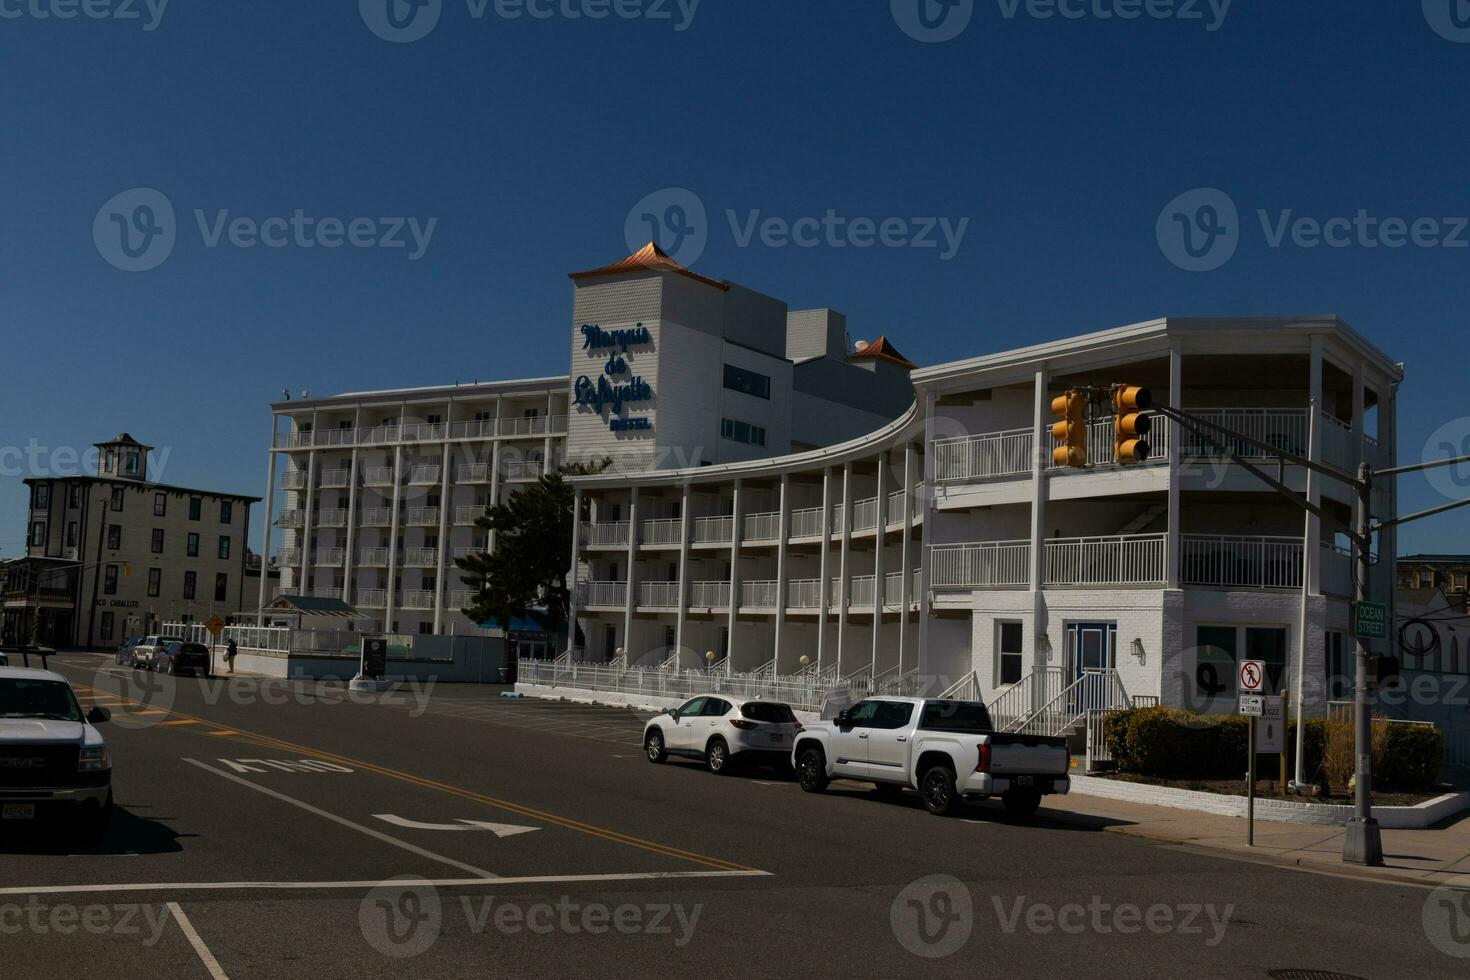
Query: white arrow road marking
{"points": [[498, 829]]}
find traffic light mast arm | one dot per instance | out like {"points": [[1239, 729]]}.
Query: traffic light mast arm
{"points": [[1394, 522], [1195, 426]]}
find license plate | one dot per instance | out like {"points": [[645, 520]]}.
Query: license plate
{"points": [[18, 811], [1025, 781]]}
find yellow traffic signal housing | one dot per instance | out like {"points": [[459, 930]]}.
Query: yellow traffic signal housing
{"points": [[1070, 432], [1130, 425]]}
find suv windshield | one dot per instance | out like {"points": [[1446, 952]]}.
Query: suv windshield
{"points": [[26, 698], [777, 714], [956, 716]]}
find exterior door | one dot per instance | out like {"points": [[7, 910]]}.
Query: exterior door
{"points": [[681, 737], [1092, 650], [850, 742], [888, 749]]}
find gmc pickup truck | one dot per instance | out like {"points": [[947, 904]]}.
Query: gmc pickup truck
{"points": [[53, 762], [947, 750]]}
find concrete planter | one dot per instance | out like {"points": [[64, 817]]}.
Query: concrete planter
{"points": [[1272, 808]]}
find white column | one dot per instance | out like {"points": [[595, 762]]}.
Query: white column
{"points": [[494, 469], [351, 541], [1176, 449], [306, 515], [783, 525], [824, 567], [546, 443], [265, 530], [572, 572], [906, 557], [440, 592], [390, 590], [926, 590], [880, 538], [1039, 461], [844, 567], [630, 601], [1314, 485], [682, 622], [735, 533]]}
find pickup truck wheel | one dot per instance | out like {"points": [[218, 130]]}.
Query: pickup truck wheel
{"points": [[811, 771], [653, 745], [1021, 802], [717, 757], [938, 790]]}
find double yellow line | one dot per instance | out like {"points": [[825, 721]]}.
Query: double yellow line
{"points": [[580, 827]]}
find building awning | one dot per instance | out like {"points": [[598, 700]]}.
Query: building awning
{"points": [[307, 605]]}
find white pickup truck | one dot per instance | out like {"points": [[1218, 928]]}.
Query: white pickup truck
{"points": [[947, 750]]}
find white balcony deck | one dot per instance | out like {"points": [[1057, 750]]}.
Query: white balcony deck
{"points": [[336, 478], [981, 565], [425, 475], [761, 527], [807, 523], [660, 533], [1111, 560], [604, 594], [658, 595], [472, 473], [330, 556], [372, 598], [709, 595], [1233, 561], [330, 518], [288, 556], [421, 558], [422, 516], [607, 534], [714, 530], [469, 513], [523, 470], [419, 432], [377, 476], [417, 599], [376, 517], [290, 518], [375, 557]]}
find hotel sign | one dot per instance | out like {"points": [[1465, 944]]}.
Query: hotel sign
{"points": [[615, 388]]}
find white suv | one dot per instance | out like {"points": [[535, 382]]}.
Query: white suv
{"points": [[723, 732]]}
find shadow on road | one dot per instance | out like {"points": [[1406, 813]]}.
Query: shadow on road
{"points": [[128, 833]]}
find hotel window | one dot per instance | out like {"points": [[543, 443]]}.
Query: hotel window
{"points": [[1214, 673], [747, 382], [190, 578], [74, 496], [1268, 645], [73, 530], [42, 495], [38, 534], [426, 627], [1009, 642], [109, 580], [191, 545], [117, 498], [114, 537], [221, 587], [132, 464], [224, 546], [743, 432], [160, 504], [155, 581], [158, 540], [196, 505], [227, 509]]}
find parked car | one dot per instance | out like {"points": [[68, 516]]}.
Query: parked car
{"points": [[723, 732], [52, 758], [179, 657], [124, 655], [149, 647], [947, 750], [4, 660]]}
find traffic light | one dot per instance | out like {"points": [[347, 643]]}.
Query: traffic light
{"points": [[1130, 425], [1071, 431]]}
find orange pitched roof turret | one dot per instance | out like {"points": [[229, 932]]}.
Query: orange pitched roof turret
{"points": [[881, 350], [648, 258]]}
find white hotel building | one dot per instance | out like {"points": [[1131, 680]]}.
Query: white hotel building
{"points": [[381, 489], [943, 550]]}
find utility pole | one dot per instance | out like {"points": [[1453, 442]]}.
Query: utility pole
{"points": [[1362, 843]]}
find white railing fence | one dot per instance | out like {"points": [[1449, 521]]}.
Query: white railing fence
{"points": [[1026, 696], [1239, 561], [982, 564], [1136, 559], [993, 454]]}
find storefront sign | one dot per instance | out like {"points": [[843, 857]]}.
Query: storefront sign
{"points": [[621, 390]]}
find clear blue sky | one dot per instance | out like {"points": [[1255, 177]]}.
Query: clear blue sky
{"points": [[1060, 140]]}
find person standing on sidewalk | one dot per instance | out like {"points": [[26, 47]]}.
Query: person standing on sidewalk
{"points": [[230, 651]]}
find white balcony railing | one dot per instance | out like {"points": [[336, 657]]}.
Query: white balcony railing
{"points": [[337, 478], [468, 550], [376, 516], [372, 597], [862, 590], [331, 518], [539, 425], [658, 595], [709, 595], [290, 518], [288, 556], [804, 593], [293, 481], [1282, 428], [1115, 560], [474, 429], [807, 523], [459, 598], [661, 532], [865, 514], [331, 556], [983, 457], [378, 476], [418, 599], [614, 594], [421, 558], [1233, 561], [760, 594], [893, 588], [472, 473], [422, 431], [424, 475], [607, 534], [469, 513], [980, 565], [761, 527], [523, 469], [423, 515], [377, 557], [713, 530]]}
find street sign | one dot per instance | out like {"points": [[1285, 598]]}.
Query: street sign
{"points": [[1272, 725], [1253, 705], [1370, 621], [1252, 675], [215, 625]]}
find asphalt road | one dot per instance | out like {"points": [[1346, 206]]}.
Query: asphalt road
{"points": [[274, 829]]}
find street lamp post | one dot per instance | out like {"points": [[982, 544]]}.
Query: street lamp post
{"points": [[1363, 844]]}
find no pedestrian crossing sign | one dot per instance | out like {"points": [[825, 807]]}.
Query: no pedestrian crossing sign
{"points": [[1252, 675], [1370, 621]]}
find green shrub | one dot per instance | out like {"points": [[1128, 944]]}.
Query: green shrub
{"points": [[1412, 757], [1167, 743]]}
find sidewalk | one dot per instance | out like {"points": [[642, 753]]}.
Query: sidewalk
{"points": [[1430, 857]]}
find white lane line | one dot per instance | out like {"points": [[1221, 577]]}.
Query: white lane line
{"points": [[190, 933], [371, 832], [196, 886]]}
